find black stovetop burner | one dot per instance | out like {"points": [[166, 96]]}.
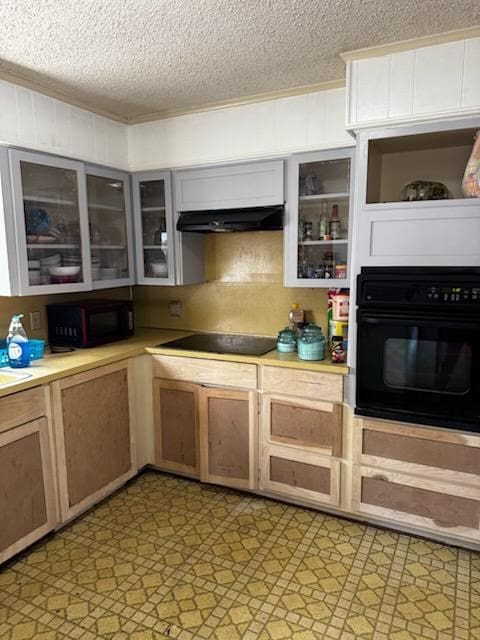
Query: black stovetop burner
{"points": [[244, 345]]}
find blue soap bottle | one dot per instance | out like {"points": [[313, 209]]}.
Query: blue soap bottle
{"points": [[18, 346]]}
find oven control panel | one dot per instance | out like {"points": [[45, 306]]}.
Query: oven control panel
{"points": [[451, 294]]}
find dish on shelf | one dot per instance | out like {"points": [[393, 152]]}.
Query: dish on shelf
{"points": [[64, 271], [41, 239], [159, 269]]}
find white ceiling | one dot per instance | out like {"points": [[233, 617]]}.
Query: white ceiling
{"points": [[134, 58]]}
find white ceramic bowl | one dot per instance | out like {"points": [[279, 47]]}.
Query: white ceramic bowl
{"points": [[64, 271], [159, 268]]}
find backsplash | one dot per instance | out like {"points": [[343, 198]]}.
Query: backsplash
{"points": [[244, 292], [26, 304]]}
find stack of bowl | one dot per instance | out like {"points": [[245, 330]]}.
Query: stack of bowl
{"points": [[54, 260], [34, 273]]}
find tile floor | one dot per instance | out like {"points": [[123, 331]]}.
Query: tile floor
{"points": [[170, 558]]}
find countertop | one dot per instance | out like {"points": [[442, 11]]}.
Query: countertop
{"points": [[56, 366]]}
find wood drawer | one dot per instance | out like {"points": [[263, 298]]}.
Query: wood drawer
{"points": [[419, 450], [22, 407], [300, 474], [417, 501], [302, 382], [302, 423], [200, 371]]}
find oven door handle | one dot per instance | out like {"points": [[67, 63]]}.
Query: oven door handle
{"points": [[421, 320]]}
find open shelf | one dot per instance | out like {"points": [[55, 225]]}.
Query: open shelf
{"points": [[152, 209], [48, 200], [322, 242], [324, 196], [107, 246], [396, 162], [52, 245], [106, 207]]}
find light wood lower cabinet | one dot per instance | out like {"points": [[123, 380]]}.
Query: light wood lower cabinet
{"points": [[228, 437], [176, 426], [303, 423], [300, 474], [27, 491], [430, 505], [94, 417], [434, 453]]}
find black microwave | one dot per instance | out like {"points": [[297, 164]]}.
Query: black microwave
{"points": [[88, 323]]}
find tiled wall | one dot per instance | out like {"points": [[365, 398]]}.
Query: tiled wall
{"points": [[244, 292], [263, 129], [30, 119]]}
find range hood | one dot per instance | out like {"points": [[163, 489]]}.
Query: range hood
{"points": [[223, 220]]}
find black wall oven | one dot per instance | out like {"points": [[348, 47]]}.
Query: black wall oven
{"points": [[418, 345]]}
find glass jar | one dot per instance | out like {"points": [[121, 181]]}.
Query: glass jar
{"points": [[286, 341], [311, 343]]}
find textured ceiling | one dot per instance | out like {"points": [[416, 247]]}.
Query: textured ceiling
{"points": [[138, 57]]}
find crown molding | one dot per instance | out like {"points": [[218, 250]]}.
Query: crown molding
{"points": [[22, 81], [238, 102], [414, 43]]}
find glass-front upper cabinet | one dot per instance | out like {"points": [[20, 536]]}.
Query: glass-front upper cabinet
{"points": [[154, 228], [49, 199], [317, 228], [110, 228]]}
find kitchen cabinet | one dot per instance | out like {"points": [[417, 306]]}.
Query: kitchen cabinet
{"points": [[317, 226], [420, 476], [94, 425], [255, 184], [110, 227], [206, 419], [301, 429], [50, 206], [71, 229], [27, 487], [163, 255], [228, 437], [176, 426], [393, 232], [426, 83]]}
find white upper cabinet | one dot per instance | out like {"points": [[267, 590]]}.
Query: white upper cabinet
{"points": [[64, 226], [164, 256], [256, 184], [395, 228], [110, 228], [51, 224], [317, 225], [422, 84]]}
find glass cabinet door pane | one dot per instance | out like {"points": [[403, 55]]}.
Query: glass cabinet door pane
{"points": [[108, 228], [323, 219], [52, 224], [154, 228]]}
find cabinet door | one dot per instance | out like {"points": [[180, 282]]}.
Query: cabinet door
{"points": [[94, 424], [110, 227], [50, 204], [300, 474], [255, 184], [154, 229], [417, 501], [427, 451], [302, 423], [27, 502], [317, 229], [176, 426], [228, 437]]}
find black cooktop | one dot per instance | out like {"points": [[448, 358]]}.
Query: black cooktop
{"points": [[223, 343]]}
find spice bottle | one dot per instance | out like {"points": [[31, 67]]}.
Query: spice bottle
{"points": [[296, 318]]}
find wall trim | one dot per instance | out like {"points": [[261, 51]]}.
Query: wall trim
{"points": [[414, 43]]}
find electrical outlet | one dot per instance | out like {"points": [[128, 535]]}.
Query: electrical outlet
{"points": [[175, 308], [35, 320]]}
